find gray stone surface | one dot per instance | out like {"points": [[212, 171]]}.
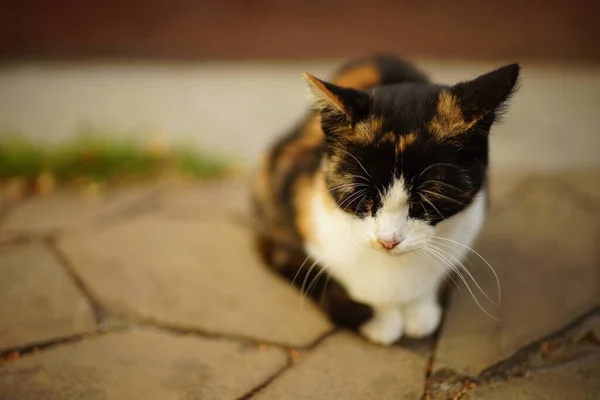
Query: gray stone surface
{"points": [[229, 198], [577, 380], [140, 365], [596, 332], [585, 181], [544, 248], [6, 206], [501, 186], [38, 300], [7, 238], [347, 367], [68, 209], [194, 274]]}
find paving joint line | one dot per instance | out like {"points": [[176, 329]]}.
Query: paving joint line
{"points": [[144, 322], [291, 361], [518, 364], [521, 361], [20, 351], [97, 309]]}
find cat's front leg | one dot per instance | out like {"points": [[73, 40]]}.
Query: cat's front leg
{"points": [[422, 316], [385, 327]]}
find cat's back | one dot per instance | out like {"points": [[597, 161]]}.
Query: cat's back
{"points": [[286, 176]]}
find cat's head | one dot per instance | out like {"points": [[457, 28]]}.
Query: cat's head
{"points": [[402, 158]]}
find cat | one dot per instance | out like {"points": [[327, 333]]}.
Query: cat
{"points": [[367, 201]]}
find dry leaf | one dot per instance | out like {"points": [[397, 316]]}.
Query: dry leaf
{"points": [[295, 354]]}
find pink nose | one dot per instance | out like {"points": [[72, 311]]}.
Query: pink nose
{"points": [[389, 244]]}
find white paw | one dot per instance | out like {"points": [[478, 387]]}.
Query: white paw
{"points": [[383, 328], [421, 319]]}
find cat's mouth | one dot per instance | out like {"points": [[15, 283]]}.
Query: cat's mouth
{"points": [[391, 248]]}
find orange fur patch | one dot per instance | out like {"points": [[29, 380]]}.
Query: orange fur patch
{"points": [[369, 205], [389, 137], [341, 181], [405, 141], [271, 177], [364, 132], [360, 77], [449, 120], [311, 136], [321, 188], [304, 190]]}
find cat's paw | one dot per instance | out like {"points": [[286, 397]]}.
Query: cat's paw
{"points": [[384, 328], [421, 319]]}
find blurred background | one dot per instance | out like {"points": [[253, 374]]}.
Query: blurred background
{"points": [[155, 291], [225, 76]]}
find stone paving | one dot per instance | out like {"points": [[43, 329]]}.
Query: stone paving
{"points": [[155, 293]]}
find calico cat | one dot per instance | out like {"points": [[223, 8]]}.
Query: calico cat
{"points": [[382, 181]]}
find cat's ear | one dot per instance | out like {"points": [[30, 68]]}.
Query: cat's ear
{"points": [[333, 100], [488, 93]]}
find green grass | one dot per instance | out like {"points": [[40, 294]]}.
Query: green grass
{"points": [[98, 158]]}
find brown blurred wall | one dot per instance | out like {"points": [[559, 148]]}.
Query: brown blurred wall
{"points": [[290, 29]]}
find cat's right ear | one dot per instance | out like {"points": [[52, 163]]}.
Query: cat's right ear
{"points": [[336, 101]]}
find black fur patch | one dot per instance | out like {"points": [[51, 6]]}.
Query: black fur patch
{"points": [[444, 165]]}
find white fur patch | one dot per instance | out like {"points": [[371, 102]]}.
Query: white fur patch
{"points": [[393, 224], [385, 327], [421, 318], [402, 279]]}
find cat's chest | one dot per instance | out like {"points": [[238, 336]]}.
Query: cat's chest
{"points": [[369, 275], [372, 277], [340, 244]]}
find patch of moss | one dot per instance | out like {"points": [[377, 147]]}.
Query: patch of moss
{"points": [[102, 159]]}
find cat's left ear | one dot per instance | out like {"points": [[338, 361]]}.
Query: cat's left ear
{"points": [[488, 93], [332, 100]]}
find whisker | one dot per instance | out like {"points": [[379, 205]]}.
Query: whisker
{"points": [[299, 269], [315, 280], [359, 163], [327, 270], [465, 269], [355, 196], [380, 194], [364, 197], [348, 200], [437, 165], [441, 183], [359, 177], [443, 196], [447, 262], [302, 293], [348, 185], [324, 291], [480, 256], [432, 262], [424, 198]]}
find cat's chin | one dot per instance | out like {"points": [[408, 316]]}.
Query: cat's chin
{"points": [[395, 253]]}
